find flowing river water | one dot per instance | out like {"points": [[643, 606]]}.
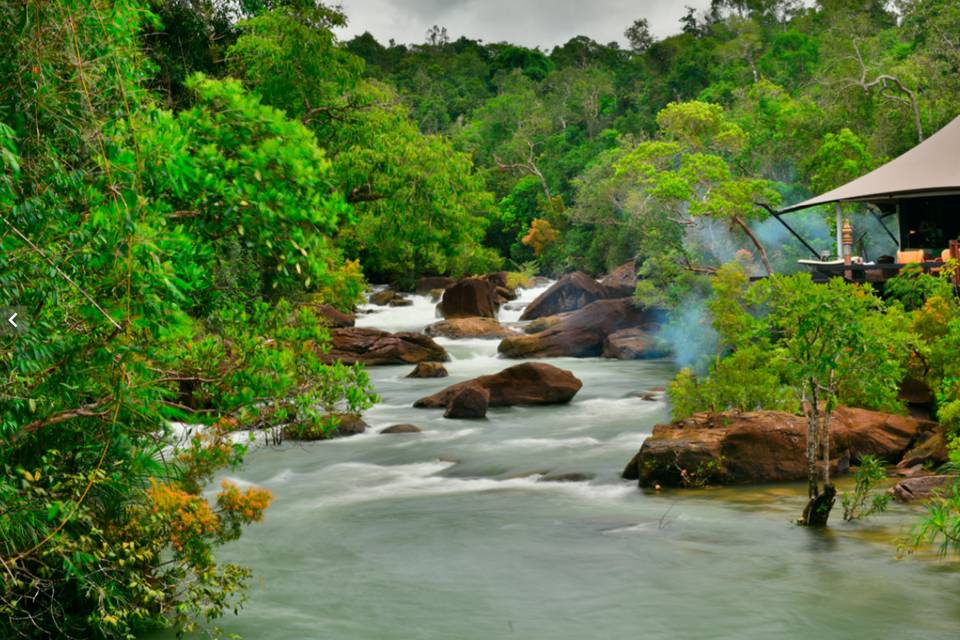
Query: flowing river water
{"points": [[457, 532]]}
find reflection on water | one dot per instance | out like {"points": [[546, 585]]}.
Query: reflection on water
{"points": [[454, 533]]}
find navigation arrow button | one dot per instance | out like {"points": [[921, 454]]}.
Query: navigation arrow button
{"points": [[11, 320]]}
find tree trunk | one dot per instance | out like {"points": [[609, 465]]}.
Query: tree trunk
{"points": [[756, 242], [818, 509], [813, 425]]}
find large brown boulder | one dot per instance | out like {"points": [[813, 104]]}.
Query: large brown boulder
{"points": [[530, 383], [424, 286], [635, 343], [468, 328], [374, 347], [580, 334], [467, 403], [468, 298], [333, 317], [571, 292], [761, 446], [622, 281]]}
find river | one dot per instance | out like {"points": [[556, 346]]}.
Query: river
{"points": [[453, 533]]}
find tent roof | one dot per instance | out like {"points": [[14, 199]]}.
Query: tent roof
{"points": [[930, 168]]}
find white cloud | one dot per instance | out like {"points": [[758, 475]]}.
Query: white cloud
{"points": [[543, 23]]}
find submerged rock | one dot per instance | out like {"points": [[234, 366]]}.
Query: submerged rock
{"points": [[374, 347], [468, 402], [468, 328], [469, 298], [402, 428], [429, 370], [761, 446], [580, 334], [567, 477], [530, 383]]}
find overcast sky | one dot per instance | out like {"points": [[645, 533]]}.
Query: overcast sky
{"points": [[528, 22]]}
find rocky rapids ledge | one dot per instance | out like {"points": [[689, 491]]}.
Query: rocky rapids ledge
{"points": [[767, 446], [523, 384]]}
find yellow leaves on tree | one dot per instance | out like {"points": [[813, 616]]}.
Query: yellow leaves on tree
{"points": [[540, 236]]}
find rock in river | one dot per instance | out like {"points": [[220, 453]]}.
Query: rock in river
{"points": [[635, 343], [429, 370], [762, 446], [374, 347], [348, 424], [402, 428], [469, 298], [468, 402], [468, 328], [580, 334], [920, 488], [530, 383], [432, 283], [571, 292]]}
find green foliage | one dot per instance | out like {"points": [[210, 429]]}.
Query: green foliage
{"points": [[151, 252], [785, 341], [864, 502], [941, 524]]}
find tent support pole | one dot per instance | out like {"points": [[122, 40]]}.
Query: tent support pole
{"points": [[896, 240], [790, 229], [839, 230]]}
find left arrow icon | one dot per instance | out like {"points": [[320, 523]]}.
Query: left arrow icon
{"points": [[11, 320]]}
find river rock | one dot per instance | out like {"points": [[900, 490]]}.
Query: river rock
{"points": [[468, 402], [498, 279], [634, 343], [929, 449], [505, 295], [468, 328], [530, 383], [468, 298], [571, 292], [384, 297], [622, 281], [920, 488], [580, 334], [427, 285], [333, 317], [402, 428], [429, 370], [374, 347], [349, 424], [567, 477], [761, 446]]}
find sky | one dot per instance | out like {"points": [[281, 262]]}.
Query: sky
{"points": [[543, 23]]}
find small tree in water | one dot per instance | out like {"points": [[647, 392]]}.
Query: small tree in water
{"points": [[830, 342]]}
